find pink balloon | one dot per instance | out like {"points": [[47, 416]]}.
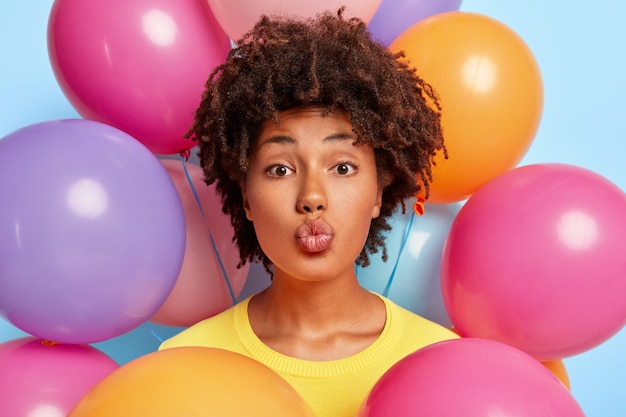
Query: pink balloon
{"points": [[536, 259], [40, 378], [202, 287], [237, 17], [138, 65], [469, 377]]}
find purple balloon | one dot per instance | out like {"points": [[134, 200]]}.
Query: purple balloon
{"points": [[395, 16], [92, 231]]}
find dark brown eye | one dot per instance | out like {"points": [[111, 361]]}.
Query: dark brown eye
{"points": [[344, 169], [278, 171]]}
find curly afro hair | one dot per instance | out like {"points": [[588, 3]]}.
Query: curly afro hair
{"points": [[328, 61]]}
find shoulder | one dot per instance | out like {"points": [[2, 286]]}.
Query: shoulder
{"points": [[216, 331]]}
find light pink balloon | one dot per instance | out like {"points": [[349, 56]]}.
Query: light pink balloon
{"points": [[536, 259], [138, 65], [201, 289], [39, 378], [237, 17], [469, 377]]}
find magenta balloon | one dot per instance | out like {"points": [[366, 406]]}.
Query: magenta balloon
{"points": [[536, 259], [92, 231], [395, 16], [138, 65], [469, 377], [45, 379]]}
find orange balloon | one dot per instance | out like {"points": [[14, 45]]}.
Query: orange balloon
{"points": [[491, 92], [558, 369], [192, 382]]}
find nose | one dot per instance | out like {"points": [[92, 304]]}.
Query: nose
{"points": [[312, 196]]}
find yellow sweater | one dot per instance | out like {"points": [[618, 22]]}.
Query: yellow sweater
{"points": [[333, 388]]}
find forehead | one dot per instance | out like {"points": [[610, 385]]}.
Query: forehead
{"points": [[307, 120]]}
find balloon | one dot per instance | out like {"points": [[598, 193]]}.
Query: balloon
{"points": [[92, 231], [395, 16], [469, 377], [536, 259], [41, 378], [557, 367], [491, 94], [237, 17], [193, 382], [410, 277], [138, 65], [202, 289]]}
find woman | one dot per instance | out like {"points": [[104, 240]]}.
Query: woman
{"points": [[314, 135]]}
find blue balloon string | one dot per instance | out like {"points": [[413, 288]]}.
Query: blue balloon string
{"points": [[402, 245], [151, 329], [217, 253]]}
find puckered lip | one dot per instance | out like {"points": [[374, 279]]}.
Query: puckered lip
{"points": [[314, 236]]}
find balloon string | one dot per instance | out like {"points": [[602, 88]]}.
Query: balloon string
{"points": [[151, 329], [217, 253], [402, 245]]}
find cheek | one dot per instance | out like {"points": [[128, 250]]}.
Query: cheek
{"points": [[264, 206], [358, 208], [363, 201]]}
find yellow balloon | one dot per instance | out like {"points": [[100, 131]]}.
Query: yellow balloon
{"points": [[490, 90], [192, 382]]}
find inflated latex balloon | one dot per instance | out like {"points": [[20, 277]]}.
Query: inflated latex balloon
{"points": [[209, 281], [490, 91], [536, 259], [395, 16], [237, 17], [469, 377], [41, 378], [410, 277], [92, 231], [138, 65], [192, 382]]}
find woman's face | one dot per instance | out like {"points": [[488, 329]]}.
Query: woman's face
{"points": [[311, 193]]}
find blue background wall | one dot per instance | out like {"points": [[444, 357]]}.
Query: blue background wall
{"points": [[581, 50]]}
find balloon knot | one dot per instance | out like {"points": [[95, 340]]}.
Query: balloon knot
{"points": [[186, 154], [418, 207]]}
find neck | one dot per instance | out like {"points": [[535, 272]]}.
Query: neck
{"points": [[316, 297], [290, 302], [317, 320]]}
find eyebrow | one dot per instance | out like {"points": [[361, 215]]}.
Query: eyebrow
{"points": [[283, 139]]}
